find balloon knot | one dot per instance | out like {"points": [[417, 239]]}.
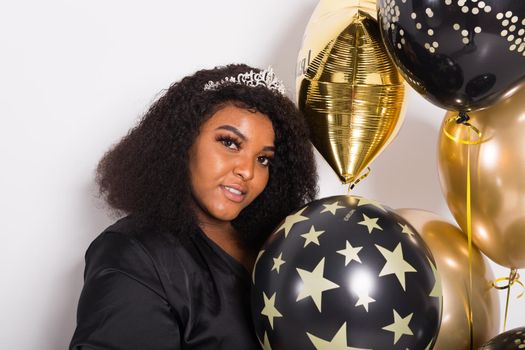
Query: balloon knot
{"points": [[514, 276], [462, 118]]}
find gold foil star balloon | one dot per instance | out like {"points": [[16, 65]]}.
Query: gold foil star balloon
{"points": [[347, 86]]}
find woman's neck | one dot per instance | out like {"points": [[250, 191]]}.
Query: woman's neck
{"points": [[225, 236]]}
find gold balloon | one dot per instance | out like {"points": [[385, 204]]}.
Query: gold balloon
{"points": [[497, 179], [449, 246], [348, 87]]}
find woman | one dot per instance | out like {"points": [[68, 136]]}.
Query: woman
{"points": [[209, 171]]}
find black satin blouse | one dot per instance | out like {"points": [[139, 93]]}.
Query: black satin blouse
{"points": [[151, 291]]}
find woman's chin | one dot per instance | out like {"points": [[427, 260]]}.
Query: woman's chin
{"points": [[225, 215]]}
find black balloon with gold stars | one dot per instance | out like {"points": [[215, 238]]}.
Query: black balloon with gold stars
{"points": [[510, 340], [345, 272]]}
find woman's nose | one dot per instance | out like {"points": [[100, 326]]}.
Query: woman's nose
{"points": [[244, 167]]}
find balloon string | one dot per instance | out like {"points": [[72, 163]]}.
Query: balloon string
{"points": [[352, 185], [469, 234], [514, 277], [462, 118]]}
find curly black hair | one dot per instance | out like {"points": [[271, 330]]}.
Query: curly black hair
{"points": [[147, 174]]}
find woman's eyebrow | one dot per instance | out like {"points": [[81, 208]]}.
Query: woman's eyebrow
{"points": [[234, 130], [242, 136]]}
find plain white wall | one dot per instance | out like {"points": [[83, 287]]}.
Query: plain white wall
{"points": [[76, 75]]}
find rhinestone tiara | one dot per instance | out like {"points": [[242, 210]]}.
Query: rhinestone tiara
{"points": [[265, 78]]}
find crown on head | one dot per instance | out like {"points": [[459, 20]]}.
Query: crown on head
{"points": [[265, 78]]}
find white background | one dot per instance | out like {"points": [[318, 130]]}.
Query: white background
{"points": [[76, 75]]}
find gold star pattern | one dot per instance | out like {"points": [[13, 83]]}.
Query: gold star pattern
{"points": [[364, 299], [255, 264], [332, 208], [277, 262], [366, 201], [292, 220], [370, 223], [400, 326], [269, 309], [406, 229], [337, 342], [436, 292], [312, 236], [395, 264], [266, 345], [314, 284], [350, 253]]}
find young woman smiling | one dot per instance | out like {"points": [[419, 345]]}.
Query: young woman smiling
{"points": [[214, 165]]}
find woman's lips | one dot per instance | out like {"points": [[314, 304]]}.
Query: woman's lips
{"points": [[233, 194]]}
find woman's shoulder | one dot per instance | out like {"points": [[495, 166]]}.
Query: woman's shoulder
{"points": [[150, 256], [123, 242], [128, 301]]}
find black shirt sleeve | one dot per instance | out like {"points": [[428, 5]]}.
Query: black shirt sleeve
{"points": [[123, 304]]}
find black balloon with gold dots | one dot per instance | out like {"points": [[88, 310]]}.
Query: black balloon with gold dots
{"points": [[461, 55], [346, 272], [510, 340]]}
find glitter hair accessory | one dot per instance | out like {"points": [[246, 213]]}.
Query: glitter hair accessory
{"points": [[265, 78]]}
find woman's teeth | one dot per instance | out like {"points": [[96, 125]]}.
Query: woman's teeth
{"points": [[233, 190]]}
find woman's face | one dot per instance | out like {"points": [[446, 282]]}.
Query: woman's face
{"points": [[229, 162]]}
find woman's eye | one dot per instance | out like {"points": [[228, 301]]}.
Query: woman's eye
{"points": [[264, 160], [229, 143]]}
